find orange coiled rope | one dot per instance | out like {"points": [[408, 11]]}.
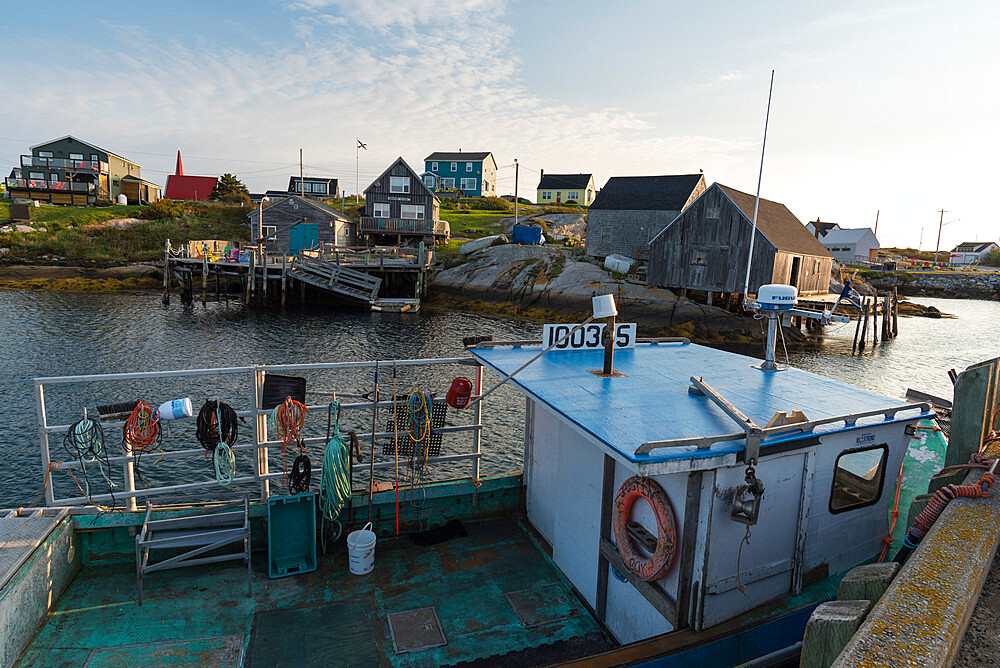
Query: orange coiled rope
{"points": [[288, 419], [141, 433]]}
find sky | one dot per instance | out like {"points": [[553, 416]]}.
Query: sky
{"points": [[877, 107]]}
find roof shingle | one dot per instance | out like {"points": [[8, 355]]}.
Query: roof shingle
{"points": [[777, 223], [647, 193], [556, 181]]}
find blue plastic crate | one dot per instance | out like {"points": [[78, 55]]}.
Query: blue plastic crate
{"points": [[291, 534]]}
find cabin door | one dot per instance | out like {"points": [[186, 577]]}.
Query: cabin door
{"points": [[767, 562], [303, 237], [793, 276]]}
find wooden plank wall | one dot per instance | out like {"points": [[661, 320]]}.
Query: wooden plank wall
{"points": [[379, 191], [287, 211]]}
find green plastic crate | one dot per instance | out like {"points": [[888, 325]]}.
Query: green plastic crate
{"points": [[291, 534]]}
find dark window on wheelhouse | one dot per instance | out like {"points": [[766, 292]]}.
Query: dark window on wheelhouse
{"points": [[858, 477]]}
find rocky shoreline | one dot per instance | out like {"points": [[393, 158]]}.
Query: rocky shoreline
{"points": [[80, 279]]}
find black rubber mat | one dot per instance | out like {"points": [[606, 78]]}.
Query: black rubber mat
{"points": [[336, 634]]}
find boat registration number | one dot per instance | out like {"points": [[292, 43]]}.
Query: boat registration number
{"points": [[588, 337]]}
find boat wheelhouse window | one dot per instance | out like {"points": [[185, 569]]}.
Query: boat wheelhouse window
{"points": [[858, 475]]}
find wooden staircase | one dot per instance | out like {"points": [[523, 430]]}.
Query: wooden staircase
{"points": [[334, 278]]}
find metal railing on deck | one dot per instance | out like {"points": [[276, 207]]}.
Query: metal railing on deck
{"points": [[260, 441]]}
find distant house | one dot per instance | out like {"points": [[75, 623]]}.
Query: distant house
{"points": [[184, 187], [706, 246], [475, 174], [71, 171], [401, 209], [294, 224], [317, 186], [630, 210], [971, 252], [566, 189], [846, 244]]}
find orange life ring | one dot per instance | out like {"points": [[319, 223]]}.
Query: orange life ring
{"points": [[635, 488]]}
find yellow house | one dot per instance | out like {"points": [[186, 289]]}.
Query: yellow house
{"points": [[566, 189]]}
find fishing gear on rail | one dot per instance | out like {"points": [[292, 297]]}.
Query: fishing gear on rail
{"points": [[335, 480], [141, 434], [217, 430], [288, 419], [418, 428], [84, 441]]}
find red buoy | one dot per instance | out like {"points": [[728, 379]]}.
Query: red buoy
{"points": [[459, 393]]}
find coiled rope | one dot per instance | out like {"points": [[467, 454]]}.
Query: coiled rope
{"points": [[335, 481], [418, 428], [141, 434], [288, 419], [84, 441], [217, 431]]}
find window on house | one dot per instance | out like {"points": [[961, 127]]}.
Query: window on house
{"points": [[468, 166], [53, 177], [45, 154], [698, 258], [815, 266], [399, 184], [116, 182], [319, 188], [269, 231], [434, 166], [572, 195], [712, 213], [546, 194], [858, 475], [411, 212], [429, 181], [76, 156], [36, 176], [454, 166], [468, 184], [447, 184], [94, 158], [381, 210]]}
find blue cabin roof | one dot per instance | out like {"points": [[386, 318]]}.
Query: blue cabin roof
{"points": [[652, 401]]}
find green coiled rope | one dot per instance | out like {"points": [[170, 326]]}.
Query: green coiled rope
{"points": [[335, 482]]}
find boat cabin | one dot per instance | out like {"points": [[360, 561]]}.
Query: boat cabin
{"points": [[680, 415]]}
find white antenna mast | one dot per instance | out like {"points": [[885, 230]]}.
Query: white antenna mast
{"points": [[756, 203]]}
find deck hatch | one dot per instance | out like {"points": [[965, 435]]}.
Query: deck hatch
{"points": [[415, 630], [541, 605]]}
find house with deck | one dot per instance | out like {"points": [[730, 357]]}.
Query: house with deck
{"points": [[474, 174], [971, 252], [295, 224], [706, 247], [848, 245], [566, 189], [71, 171], [630, 210], [400, 209]]}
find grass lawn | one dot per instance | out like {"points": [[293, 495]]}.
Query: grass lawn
{"points": [[73, 235]]}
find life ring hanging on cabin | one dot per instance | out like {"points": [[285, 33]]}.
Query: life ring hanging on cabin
{"points": [[633, 489]]}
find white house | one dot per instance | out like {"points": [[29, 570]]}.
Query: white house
{"points": [[971, 252], [846, 245]]}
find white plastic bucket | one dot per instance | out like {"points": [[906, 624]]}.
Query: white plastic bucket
{"points": [[178, 408], [361, 550]]}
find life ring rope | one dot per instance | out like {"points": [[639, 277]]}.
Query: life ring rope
{"points": [[633, 489]]}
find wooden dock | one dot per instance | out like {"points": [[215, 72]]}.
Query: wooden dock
{"points": [[380, 278]]}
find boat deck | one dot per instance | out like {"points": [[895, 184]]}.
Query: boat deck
{"points": [[203, 616]]}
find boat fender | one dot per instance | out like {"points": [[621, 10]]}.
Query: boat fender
{"points": [[633, 489], [459, 392]]}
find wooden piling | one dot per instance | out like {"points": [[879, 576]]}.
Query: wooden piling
{"points": [[864, 325], [284, 278], [831, 626], [895, 312], [166, 272], [857, 330], [250, 272], [302, 293], [875, 318], [204, 275], [263, 288], [886, 319], [218, 290]]}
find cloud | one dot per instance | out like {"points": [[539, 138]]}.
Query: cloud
{"points": [[723, 79], [408, 78]]}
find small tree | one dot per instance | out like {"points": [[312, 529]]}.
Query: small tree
{"points": [[230, 189], [991, 259]]}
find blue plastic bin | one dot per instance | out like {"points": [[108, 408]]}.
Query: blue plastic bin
{"points": [[291, 534]]}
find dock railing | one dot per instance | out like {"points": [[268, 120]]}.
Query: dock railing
{"points": [[261, 445]]}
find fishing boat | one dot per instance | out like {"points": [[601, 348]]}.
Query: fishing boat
{"points": [[678, 505]]}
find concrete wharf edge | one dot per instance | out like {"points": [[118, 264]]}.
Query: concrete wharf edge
{"points": [[922, 617]]}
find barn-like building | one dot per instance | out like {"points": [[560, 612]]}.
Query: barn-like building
{"points": [[706, 247]]}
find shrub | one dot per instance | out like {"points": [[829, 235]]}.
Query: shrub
{"points": [[991, 259], [570, 201], [164, 208], [103, 202], [486, 204], [236, 198]]}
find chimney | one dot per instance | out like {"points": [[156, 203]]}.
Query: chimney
{"points": [[816, 227], [542, 172], [459, 150]]}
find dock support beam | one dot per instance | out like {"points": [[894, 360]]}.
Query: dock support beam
{"points": [[204, 274], [284, 278], [166, 272]]}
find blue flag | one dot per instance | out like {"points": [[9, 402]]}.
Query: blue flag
{"points": [[850, 295]]}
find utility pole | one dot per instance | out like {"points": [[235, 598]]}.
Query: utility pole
{"points": [[940, 226], [876, 222], [921, 242], [302, 181], [516, 170]]}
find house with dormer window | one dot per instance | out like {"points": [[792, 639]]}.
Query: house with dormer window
{"points": [[474, 174], [400, 209]]}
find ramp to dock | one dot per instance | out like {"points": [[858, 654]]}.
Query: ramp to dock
{"points": [[335, 278]]}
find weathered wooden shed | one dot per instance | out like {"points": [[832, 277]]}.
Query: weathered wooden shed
{"points": [[400, 208], [706, 247], [294, 224]]}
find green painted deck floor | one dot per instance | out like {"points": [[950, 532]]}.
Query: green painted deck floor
{"points": [[202, 615]]}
